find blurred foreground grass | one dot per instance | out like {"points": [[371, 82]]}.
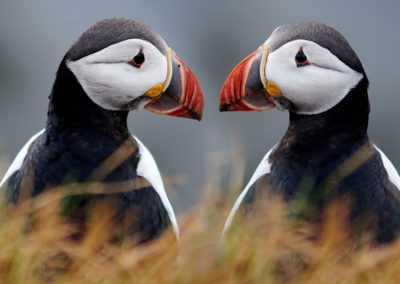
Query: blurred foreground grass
{"points": [[35, 247]]}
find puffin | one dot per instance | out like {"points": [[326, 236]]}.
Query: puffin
{"points": [[310, 70], [116, 66]]}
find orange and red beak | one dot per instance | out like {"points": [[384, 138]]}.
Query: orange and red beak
{"points": [[182, 96], [245, 87]]}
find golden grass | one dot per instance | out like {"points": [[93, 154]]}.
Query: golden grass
{"points": [[35, 247]]}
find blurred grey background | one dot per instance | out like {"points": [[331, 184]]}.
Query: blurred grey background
{"points": [[211, 36]]}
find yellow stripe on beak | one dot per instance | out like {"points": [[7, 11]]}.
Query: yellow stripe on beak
{"points": [[263, 64], [271, 87], [169, 69]]}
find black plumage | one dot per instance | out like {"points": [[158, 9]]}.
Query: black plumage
{"points": [[325, 153], [316, 146], [80, 135]]}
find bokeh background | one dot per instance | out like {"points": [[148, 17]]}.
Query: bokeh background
{"points": [[211, 36]]}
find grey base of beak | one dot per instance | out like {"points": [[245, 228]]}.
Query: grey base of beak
{"points": [[243, 90], [183, 96], [255, 92]]}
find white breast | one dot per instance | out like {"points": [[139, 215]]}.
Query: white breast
{"points": [[390, 169], [263, 168], [148, 169], [19, 159]]}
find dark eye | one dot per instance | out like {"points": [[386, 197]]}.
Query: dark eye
{"points": [[138, 60], [301, 58]]}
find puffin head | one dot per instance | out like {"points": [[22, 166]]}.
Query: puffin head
{"points": [[123, 64], [306, 68]]}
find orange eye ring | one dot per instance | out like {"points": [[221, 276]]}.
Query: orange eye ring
{"points": [[138, 60], [301, 59]]}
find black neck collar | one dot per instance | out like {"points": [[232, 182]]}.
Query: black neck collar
{"points": [[349, 117], [326, 136], [72, 111]]}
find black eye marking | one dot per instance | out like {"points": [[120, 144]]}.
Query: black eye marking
{"points": [[301, 59], [138, 60]]}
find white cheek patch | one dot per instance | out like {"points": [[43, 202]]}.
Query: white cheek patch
{"points": [[110, 81], [314, 88]]}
